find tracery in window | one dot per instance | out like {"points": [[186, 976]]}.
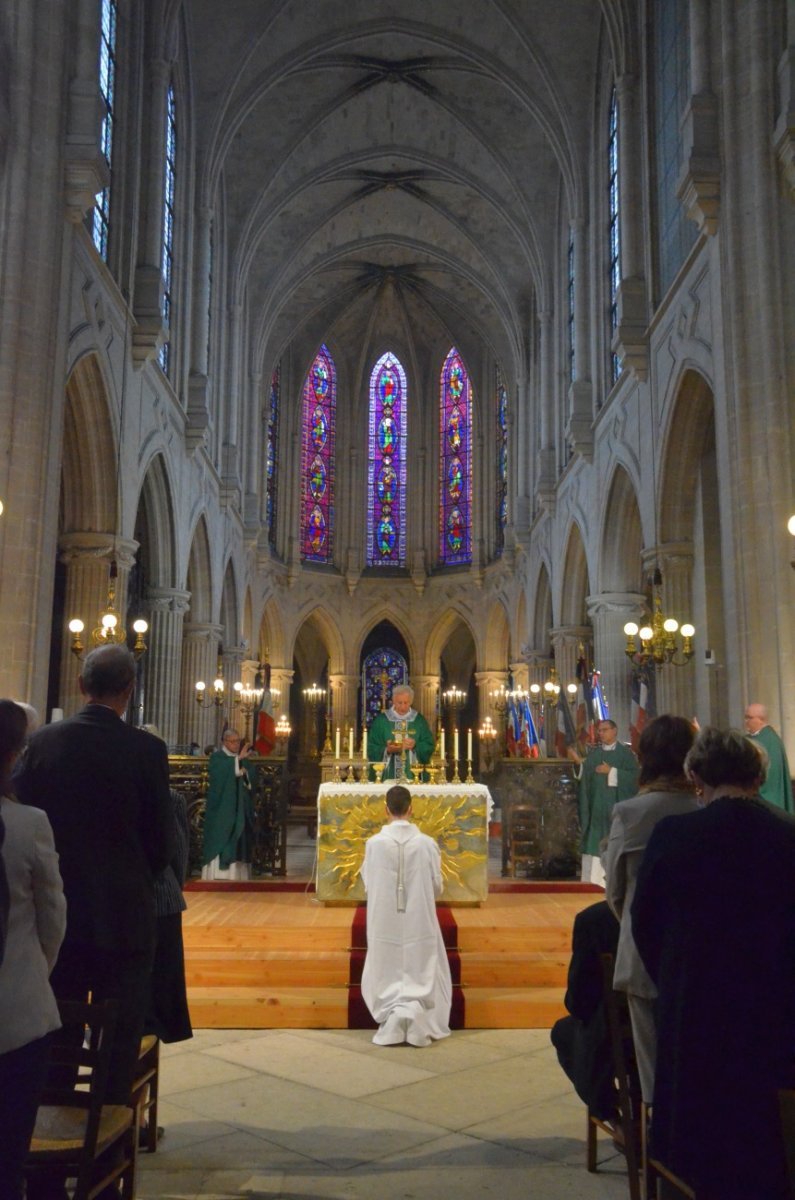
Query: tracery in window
{"points": [[319, 418], [167, 259], [455, 462], [614, 230], [274, 405], [502, 463], [386, 467], [100, 214]]}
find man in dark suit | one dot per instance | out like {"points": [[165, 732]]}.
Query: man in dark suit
{"points": [[582, 1039], [105, 788]]}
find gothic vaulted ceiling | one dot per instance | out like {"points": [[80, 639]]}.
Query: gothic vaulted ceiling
{"points": [[392, 168]]}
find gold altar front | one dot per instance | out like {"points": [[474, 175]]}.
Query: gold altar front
{"points": [[456, 816]]}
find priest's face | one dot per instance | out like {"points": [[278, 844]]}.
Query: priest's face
{"points": [[607, 733], [401, 702]]}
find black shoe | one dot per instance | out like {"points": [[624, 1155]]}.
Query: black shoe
{"points": [[143, 1135]]}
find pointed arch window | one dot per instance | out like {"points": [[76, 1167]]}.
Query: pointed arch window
{"points": [[319, 423], [99, 219], [614, 227], [274, 406], [502, 463], [455, 462], [169, 191], [386, 466]]}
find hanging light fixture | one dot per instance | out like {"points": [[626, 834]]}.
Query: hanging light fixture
{"points": [[658, 636], [109, 630]]}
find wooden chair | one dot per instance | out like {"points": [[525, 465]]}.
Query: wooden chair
{"points": [[627, 1129], [524, 837], [77, 1135], [145, 1090]]}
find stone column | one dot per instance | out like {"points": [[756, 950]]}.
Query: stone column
{"points": [[567, 640], [630, 337], [426, 698], [579, 429], [342, 690], [281, 681], [199, 661], [149, 331], [546, 473], [88, 557], [232, 663], [609, 612], [675, 690], [487, 682], [198, 385], [167, 608]]}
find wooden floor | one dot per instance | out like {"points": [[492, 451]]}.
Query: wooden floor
{"points": [[264, 960]]}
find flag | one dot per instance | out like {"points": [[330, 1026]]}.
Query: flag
{"points": [[643, 706], [264, 724], [528, 741], [565, 733], [512, 730], [586, 727], [601, 710]]}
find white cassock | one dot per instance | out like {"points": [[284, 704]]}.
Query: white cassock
{"points": [[406, 980]]}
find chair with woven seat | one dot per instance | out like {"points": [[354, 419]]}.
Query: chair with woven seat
{"points": [[145, 1090], [627, 1129], [77, 1136]]}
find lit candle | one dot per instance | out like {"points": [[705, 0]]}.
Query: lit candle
{"points": [[364, 744], [455, 743], [350, 744], [469, 745], [338, 743], [441, 745]]}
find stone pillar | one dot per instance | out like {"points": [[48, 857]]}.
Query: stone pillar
{"points": [[281, 681], [198, 385], [199, 661], [232, 663], [88, 557], [85, 170], [579, 429], [426, 698], [546, 474], [675, 690], [342, 691], [167, 608], [487, 682], [149, 332], [629, 341], [609, 613], [567, 640]]}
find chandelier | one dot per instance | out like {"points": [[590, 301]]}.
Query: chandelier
{"points": [[659, 643], [109, 630]]}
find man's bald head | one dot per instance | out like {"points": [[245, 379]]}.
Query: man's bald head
{"points": [[755, 717]]}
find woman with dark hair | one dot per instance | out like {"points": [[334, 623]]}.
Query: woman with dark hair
{"points": [[36, 924], [664, 790], [714, 922]]}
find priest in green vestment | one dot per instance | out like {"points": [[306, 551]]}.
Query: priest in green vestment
{"points": [[400, 733], [777, 788], [608, 774], [229, 811]]}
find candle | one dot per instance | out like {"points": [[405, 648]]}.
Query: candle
{"points": [[469, 745], [455, 743], [338, 743], [350, 744], [441, 746], [364, 743]]}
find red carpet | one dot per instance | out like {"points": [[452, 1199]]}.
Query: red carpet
{"points": [[249, 885], [358, 1015]]}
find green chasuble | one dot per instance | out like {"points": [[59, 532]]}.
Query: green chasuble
{"points": [[383, 730], [777, 788], [597, 799], [229, 811]]}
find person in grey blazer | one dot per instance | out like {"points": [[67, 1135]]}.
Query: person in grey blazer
{"points": [[36, 924], [664, 791]]}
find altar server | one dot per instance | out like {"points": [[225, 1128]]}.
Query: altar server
{"points": [[406, 980]]}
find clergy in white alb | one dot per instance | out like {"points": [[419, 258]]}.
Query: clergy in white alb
{"points": [[406, 981]]}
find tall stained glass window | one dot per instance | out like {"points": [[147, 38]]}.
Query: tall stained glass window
{"points": [[382, 671], [272, 452], [319, 416], [100, 215], [455, 462], [614, 231], [570, 304], [502, 463], [386, 468], [167, 259]]}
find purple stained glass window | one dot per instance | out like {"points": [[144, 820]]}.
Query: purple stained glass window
{"points": [[502, 463], [455, 462], [317, 501], [386, 469]]}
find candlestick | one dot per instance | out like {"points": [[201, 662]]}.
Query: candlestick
{"points": [[469, 745], [350, 744], [338, 743], [441, 746], [455, 744], [364, 743]]}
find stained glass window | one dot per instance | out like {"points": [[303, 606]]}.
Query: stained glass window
{"points": [[614, 231], [455, 462], [167, 258], [381, 672], [99, 219], [386, 468], [272, 451], [676, 233], [570, 303], [502, 463], [319, 415]]}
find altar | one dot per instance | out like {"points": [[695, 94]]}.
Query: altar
{"points": [[455, 815]]}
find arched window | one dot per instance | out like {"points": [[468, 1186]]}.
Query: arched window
{"points": [[382, 671], [100, 215], [170, 178], [386, 466], [614, 231], [319, 417], [502, 463], [455, 462], [272, 454]]}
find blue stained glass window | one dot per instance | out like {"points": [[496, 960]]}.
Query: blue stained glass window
{"points": [[455, 462], [169, 189], [317, 500], [381, 672], [272, 453], [386, 470], [502, 463], [99, 219], [614, 227]]}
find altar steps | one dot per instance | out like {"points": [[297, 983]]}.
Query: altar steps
{"points": [[264, 965]]}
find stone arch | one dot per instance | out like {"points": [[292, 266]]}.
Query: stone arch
{"points": [[199, 580], [156, 526], [690, 427], [446, 625], [575, 587], [622, 538], [89, 495], [272, 640], [496, 647], [542, 611], [317, 645], [230, 609], [386, 613]]}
